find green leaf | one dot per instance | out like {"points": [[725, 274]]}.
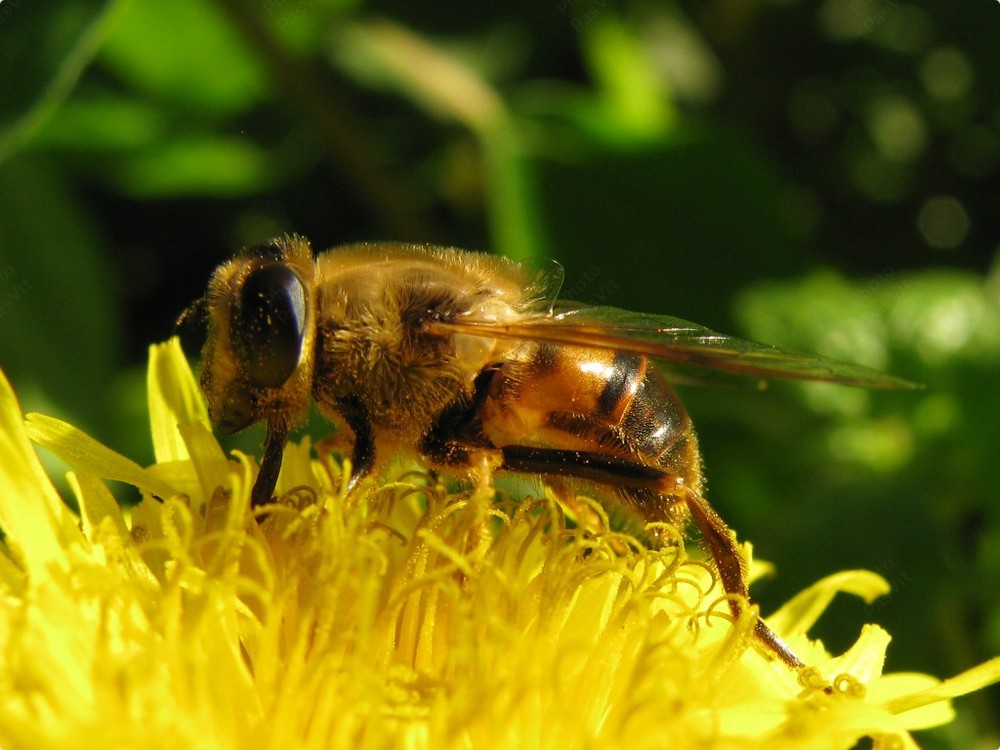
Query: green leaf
{"points": [[103, 121], [942, 317], [634, 104], [662, 226], [205, 165], [59, 325], [383, 55], [185, 52], [43, 52]]}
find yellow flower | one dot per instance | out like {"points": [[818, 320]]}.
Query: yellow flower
{"points": [[407, 618]]}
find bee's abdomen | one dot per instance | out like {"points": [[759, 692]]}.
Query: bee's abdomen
{"points": [[593, 400], [652, 418]]}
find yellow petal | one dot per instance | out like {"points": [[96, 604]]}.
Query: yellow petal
{"points": [[865, 659], [905, 685], [33, 518], [174, 399], [206, 457], [97, 505], [969, 681], [85, 454], [104, 526], [798, 615]]}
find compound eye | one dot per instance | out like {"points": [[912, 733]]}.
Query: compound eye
{"points": [[269, 324]]}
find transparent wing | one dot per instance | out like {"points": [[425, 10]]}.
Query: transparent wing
{"points": [[677, 343]]}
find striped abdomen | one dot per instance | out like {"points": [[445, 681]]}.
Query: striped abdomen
{"points": [[593, 401]]}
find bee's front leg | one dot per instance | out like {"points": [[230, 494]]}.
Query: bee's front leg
{"points": [[355, 416], [270, 464]]}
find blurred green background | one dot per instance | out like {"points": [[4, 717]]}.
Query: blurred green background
{"points": [[820, 175]]}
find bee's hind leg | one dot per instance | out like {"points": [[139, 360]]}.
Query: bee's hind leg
{"points": [[717, 538], [721, 544]]}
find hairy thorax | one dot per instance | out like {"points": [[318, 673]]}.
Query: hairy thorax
{"points": [[374, 351]]}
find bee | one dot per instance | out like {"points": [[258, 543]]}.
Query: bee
{"points": [[470, 361]]}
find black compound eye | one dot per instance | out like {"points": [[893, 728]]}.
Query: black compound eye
{"points": [[269, 323]]}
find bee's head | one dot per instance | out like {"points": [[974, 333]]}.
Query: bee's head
{"points": [[256, 317]]}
